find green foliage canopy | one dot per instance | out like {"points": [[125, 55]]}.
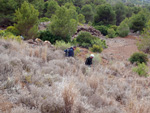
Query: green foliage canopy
{"points": [[104, 15], [27, 20], [63, 23]]}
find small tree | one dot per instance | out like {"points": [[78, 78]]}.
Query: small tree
{"points": [[63, 23], [111, 33], [104, 15], [139, 21], [144, 43], [123, 29], [27, 20]]}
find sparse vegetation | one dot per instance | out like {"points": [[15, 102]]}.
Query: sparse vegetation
{"points": [[141, 69]]}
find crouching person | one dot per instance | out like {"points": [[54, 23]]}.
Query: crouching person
{"points": [[88, 61], [70, 52]]}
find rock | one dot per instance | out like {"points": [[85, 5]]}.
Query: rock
{"points": [[30, 41], [89, 29], [47, 43]]}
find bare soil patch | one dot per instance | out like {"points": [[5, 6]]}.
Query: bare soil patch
{"points": [[120, 48]]}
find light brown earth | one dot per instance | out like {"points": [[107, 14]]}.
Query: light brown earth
{"points": [[120, 48]]}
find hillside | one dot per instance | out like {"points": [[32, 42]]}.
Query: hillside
{"points": [[39, 79]]}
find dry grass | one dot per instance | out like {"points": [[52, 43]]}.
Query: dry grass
{"points": [[39, 79]]}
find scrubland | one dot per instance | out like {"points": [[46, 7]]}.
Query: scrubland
{"points": [[39, 79]]}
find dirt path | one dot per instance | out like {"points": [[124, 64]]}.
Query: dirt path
{"points": [[120, 48]]}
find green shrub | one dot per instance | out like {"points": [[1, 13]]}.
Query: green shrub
{"points": [[103, 29], [2, 32], [98, 41], [138, 57], [77, 51], [96, 48], [123, 29], [62, 45], [84, 39], [10, 36], [13, 30], [44, 19], [141, 69], [111, 33], [114, 27], [46, 35]]}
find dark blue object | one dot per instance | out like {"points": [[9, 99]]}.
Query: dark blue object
{"points": [[69, 52]]}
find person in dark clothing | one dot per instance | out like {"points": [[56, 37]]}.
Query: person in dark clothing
{"points": [[89, 60], [69, 52]]}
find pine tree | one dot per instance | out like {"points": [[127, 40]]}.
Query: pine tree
{"points": [[27, 20]]}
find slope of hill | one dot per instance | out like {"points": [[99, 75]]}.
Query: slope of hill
{"points": [[39, 79]]}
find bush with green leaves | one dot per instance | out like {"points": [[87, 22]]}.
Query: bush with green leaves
{"points": [[103, 29], [138, 57], [138, 21], [2, 32], [44, 19], [10, 36], [114, 27], [13, 30], [98, 41], [96, 48], [111, 33], [85, 39], [144, 43], [141, 69], [62, 45], [47, 35], [123, 29]]}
